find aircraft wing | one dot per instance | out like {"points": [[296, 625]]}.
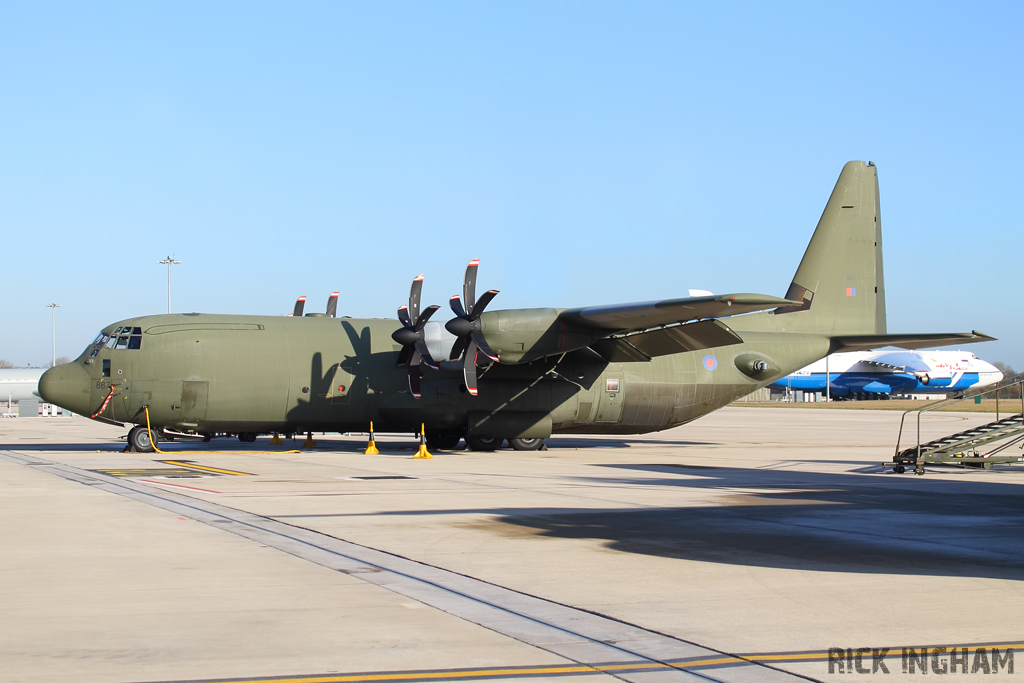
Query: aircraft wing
{"points": [[647, 314], [865, 342]]}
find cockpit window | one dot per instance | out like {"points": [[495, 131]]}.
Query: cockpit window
{"points": [[135, 341], [122, 343], [111, 342], [136, 330]]}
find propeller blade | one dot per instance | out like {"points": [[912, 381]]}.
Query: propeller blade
{"points": [[299, 305], [403, 315], [414, 374], [403, 355], [424, 317], [456, 303], [469, 283], [480, 305], [457, 348], [414, 297], [469, 367], [421, 348], [332, 305], [481, 343]]}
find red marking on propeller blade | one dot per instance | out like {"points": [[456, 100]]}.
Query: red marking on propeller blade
{"points": [[302, 298], [334, 295], [415, 395], [472, 390], [403, 307], [475, 262], [454, 298], [419, 278]]}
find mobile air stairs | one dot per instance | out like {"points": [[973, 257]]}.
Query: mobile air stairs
{"points": [[981, 446]]}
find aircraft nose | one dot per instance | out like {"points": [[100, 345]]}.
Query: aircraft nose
{"points": [[66, 386]]}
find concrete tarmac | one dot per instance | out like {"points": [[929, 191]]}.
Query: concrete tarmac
{"points": [[741, 547]]}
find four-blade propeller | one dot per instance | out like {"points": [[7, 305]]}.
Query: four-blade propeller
{"points": [[410, 336], [466, 327]]}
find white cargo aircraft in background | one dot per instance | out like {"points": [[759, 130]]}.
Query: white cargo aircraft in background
{"points": [[20, 384], [873, 374]]}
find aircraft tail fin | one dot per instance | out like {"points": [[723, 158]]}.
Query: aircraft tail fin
{"points": [[840, 279]]}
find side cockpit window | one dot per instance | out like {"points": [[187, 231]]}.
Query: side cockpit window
{"points": [[106, 367], [134, 342]]}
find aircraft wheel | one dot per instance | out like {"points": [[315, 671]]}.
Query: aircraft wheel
{"points": [[444, 441], [247, 437], [477, 443], [899, 469], [138, 439], [206, 436], [526, 444]]}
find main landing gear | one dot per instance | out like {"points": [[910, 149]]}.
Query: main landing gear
{"points": [[487, 444]]}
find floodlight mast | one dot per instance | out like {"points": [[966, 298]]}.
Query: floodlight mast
{"points": [[170, 262], [53, 331]]}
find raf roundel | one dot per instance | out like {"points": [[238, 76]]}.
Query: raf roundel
{"points": [[710, 363]]}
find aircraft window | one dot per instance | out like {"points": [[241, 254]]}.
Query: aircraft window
{"points": [[136, 330], [111, 341], [122, 343], [117, 331], [99, 338], [135, 342], [106, 367], [94, 352]]}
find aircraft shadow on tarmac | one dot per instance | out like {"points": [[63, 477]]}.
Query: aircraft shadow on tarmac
{"points": [[816, 522]]}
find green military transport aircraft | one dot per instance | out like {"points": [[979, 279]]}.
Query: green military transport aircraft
{"points": [[519, 374]]}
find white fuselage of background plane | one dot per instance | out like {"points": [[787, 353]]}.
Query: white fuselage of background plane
{"points": [[894, 371]]}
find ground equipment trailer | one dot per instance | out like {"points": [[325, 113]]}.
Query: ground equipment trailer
{"points": [[980, 446]]}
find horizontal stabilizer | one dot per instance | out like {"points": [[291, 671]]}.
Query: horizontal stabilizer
{"points": [[643, 346], [646, 314], [866, 342]]}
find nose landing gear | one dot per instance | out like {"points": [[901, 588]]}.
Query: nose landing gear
{"points": [[139, 441]]}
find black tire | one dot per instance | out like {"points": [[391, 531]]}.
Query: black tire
{"points": [[900, 469], [206, 437], [247, 437], [526, 444], [443, 441], [138, 440], [485, 444]]}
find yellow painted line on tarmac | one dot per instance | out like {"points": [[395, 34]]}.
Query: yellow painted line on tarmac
{"points": [[511, 672], [204, 468]]}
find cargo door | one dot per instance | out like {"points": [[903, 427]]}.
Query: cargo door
{"points": [[193, 401], [609, 403]]}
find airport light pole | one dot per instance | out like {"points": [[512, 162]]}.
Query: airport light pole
{"points": [[53, 330], [170, 262]]}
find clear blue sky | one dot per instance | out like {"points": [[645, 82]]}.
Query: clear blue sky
{"points": [[586, 152]]}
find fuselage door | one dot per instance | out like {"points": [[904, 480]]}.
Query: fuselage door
{"points": [[609, 404]]}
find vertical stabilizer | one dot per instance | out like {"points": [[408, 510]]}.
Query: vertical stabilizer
{"points": [[840, 277]]}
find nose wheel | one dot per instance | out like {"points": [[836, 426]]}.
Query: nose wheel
{"points": [[139, 441]]}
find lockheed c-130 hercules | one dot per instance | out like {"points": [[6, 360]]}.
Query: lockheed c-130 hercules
{"points": [[487, 376]]}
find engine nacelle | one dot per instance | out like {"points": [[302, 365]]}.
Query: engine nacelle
{"points": [[523, 335], [934, 378]]}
